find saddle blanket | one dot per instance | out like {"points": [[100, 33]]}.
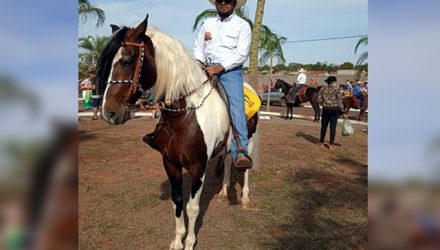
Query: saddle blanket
{"points": [[252, 102]]}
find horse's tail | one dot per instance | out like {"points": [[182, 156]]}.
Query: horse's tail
{"points": [[254, 146]]}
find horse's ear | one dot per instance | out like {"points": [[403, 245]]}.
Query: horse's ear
{"points": [[114, 28], [139, 31]]}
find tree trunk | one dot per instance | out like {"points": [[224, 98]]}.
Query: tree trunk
{"points": [[253, 61], [270, 83]]}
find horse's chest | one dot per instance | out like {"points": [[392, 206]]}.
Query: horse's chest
{"points": [[179, 138]]}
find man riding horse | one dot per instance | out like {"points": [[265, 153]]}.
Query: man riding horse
{"points": [[223, 44]]}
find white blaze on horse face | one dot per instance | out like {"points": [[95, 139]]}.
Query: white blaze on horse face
{"points": [[117, 57]]}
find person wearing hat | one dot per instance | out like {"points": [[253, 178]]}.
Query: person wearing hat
{"points": [[223, 44], [302, 78], [358, 93], [331, 100]]}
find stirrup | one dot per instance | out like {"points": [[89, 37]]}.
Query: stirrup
{"points": [[243, 162]]}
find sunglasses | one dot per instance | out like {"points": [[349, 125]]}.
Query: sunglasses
{"points": [[224, 1]]}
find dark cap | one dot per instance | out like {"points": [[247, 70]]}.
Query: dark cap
{"points": [[330, 79]]}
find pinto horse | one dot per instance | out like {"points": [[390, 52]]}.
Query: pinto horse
{"points": [[352, 101], [303, 94], [194, 123]]}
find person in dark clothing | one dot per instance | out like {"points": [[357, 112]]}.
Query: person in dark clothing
{"points": [[331, 100]]}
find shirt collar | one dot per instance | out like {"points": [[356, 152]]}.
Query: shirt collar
{"points": [[226, 19]]}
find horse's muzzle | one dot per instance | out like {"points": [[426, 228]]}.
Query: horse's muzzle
{"points": [[117, 118]]}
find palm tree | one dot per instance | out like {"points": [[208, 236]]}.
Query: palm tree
{"points": [[270, 49], [93, 47], [86, 10], [241, 12], [257, 29], [253, 60], [363, 41]]}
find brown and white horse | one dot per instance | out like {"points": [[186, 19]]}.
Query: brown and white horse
{"points": [[194, 121]]}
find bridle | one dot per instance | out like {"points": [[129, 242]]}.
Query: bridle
{"points": [[134, 83]]}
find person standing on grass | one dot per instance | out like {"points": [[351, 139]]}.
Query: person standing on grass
{"points": [[331, 100], [87, 87]]}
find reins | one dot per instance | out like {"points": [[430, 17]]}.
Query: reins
{"points": [[163, 104]]}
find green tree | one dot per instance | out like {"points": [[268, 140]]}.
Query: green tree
{"points": [[241, 12], [346, 65], [363, 41], [86, 10], [270, 49], [93, 47]]}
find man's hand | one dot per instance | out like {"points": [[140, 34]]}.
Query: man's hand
{"points": [[215, 70]]}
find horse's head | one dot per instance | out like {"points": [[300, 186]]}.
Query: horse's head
{"points": [[282, 84], [278, 84], [125, 70]]}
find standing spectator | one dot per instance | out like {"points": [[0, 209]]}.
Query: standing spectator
{"points": [[87, 87], [302, 78], [96, 103], [331, 100]]}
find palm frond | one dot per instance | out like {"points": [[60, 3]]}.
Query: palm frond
{"points": [[362, 42], [202, 16], [362, 59]]}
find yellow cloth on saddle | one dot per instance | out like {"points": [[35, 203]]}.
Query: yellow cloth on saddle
{"points": [[252, 102]]}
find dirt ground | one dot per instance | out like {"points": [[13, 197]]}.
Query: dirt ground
{"points": [[303, 196]]}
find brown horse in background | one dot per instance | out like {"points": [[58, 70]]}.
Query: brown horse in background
{"points": [[303, 94], [352, 101]]}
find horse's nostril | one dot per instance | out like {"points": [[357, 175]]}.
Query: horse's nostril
{"points": [[112, 116]]}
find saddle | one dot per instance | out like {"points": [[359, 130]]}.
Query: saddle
{"points": [[301, 93]]}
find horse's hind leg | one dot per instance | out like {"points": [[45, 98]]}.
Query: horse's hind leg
{"points": [[223, 194], [245, 190], [193, 207], [175, 177]]}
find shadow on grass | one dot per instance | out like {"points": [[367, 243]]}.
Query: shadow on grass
{"points": [[309, 138], [326, 214], [84, 135]]}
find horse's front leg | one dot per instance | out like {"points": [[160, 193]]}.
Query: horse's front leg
{"points": [[197, 172], [175, 177]]}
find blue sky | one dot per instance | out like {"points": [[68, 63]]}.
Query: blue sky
{"points": [[296, 20], [404, 87]]}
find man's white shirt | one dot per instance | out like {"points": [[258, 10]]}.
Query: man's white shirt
{"points": [[302, 78], [225, 42]]}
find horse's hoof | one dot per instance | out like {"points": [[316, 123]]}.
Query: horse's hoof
{"points": [[221, 197], [189, 242], [176, 245]]}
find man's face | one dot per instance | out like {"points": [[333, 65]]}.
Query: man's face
{"points": [[225, 7]]}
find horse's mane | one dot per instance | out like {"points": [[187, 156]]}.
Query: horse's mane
{"points": [[177, 71], [105, 61], [281, 80]]}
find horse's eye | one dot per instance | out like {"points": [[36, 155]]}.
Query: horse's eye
{"points": [[126, 60]]}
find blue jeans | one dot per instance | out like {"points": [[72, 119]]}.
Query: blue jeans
{"points": [[232, 82]]}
